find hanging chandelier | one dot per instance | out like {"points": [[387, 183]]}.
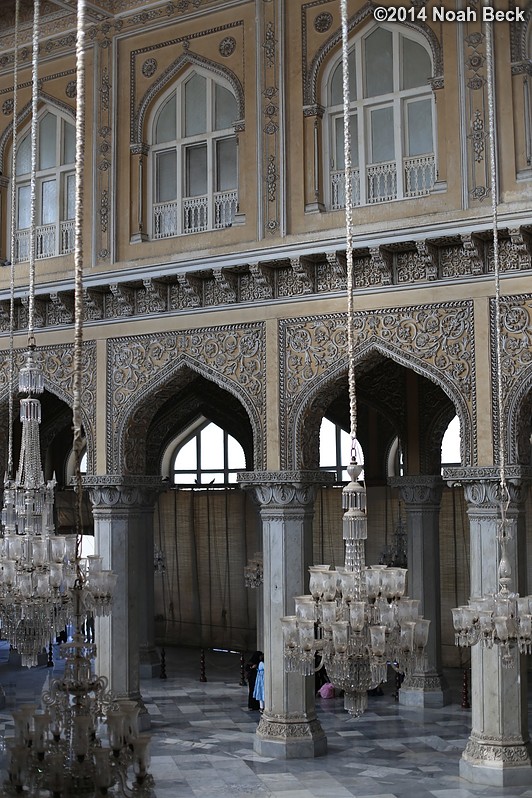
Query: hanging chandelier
{"points": [[356, 620], [84, 742], [503, 619]]}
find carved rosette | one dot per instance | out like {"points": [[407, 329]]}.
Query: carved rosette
{"points": [[139, 367], [436, 341]]}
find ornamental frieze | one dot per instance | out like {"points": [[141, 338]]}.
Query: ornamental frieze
{"points": [[143, 369], [436, 341], [516, 372], [58, 366]]}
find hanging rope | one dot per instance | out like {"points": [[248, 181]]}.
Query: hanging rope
{"points": [[33, 175], [348, 232], [505, 497], [78, 273], [13, 252]]}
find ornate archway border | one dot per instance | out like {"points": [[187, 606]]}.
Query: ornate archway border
{"points": [[233, 357], [185, 59], [516, 319], [58, 365], [310, 76], [436, 341], [25, 113]]}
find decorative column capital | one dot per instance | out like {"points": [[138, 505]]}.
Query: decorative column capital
{"points": [[111, 492], [280, 490], [419, 489], [481, 484]]}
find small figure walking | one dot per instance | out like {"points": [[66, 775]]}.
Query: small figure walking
{"points": [[258, 692], [251, 676]]}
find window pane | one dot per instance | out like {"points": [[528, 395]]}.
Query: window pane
{"points": [[166, 122], [212, 448], [166, 176], [327, 444], [70, 197], [195, 105], [235, 455], [48, 202], [382, 144], [226, 164], [337, 93], [187, 478], [378, 63], [339, 136], [47, 141], [23, 217], [24, 157], [186, 458], [417, 68], [419, 115], [69, 143], [225, 109], [196, 170]]}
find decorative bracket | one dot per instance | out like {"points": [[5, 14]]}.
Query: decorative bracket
{"points": [[337, 264], [156, 295], [264, 279], [303, 269], [522, 246], [428, 254], [192, 288], [125, 297], [382, 261], [93, 304], [62, 310], [473, 252], [227, 283]]}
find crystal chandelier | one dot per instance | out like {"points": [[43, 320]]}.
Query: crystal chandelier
{"points": [[503, 619], [253, 571], [357, 619]]}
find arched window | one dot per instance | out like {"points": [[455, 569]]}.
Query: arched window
{"points": [[194, 157], [335, 450], [391, 119], [450, 445], [207, 455], [55, 189]]}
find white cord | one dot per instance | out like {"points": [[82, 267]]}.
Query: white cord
{"points": [[33, 177]]}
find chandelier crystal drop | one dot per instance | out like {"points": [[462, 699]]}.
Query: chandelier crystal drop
{"points": [[356, 620]]}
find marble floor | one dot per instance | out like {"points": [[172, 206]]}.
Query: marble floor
{"points": [[202, 740]]}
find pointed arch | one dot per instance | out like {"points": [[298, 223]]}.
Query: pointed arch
{"points": [[45, 101], [310, 88], [185, 60]]}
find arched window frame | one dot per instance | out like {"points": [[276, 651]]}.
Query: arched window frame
{"points": [[55, 231], [215, 209], [200, 476], [405, 177]]}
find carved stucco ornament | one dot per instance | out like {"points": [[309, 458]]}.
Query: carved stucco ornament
{"points": [[436, 341]]}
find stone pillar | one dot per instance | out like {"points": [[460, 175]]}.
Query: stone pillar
{"points": [[421, 495], [498, 752], [123, 528], [288, 728]]}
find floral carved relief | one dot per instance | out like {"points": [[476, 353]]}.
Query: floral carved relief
{"points": [[436, 341], [140, 368]]}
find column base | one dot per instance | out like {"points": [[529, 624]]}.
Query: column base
{"points": [[283, 737], [497, 764], [425, 690]]}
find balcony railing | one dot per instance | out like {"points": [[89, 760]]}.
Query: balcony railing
{"points": [[197, 214], [419, 175], [50, 240], [338, 189], [382, 182]]}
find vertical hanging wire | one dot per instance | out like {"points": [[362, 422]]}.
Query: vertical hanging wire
{"points": [[13, 251], [33, 175], [348, 231], [78, 274], [504, 494]]}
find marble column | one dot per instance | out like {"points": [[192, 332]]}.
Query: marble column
{"points": [[421, 495], [288, 728], [498, 752], [123, 528]]}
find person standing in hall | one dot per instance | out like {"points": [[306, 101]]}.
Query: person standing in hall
{"points": [[258, 692], [251, 676]]}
